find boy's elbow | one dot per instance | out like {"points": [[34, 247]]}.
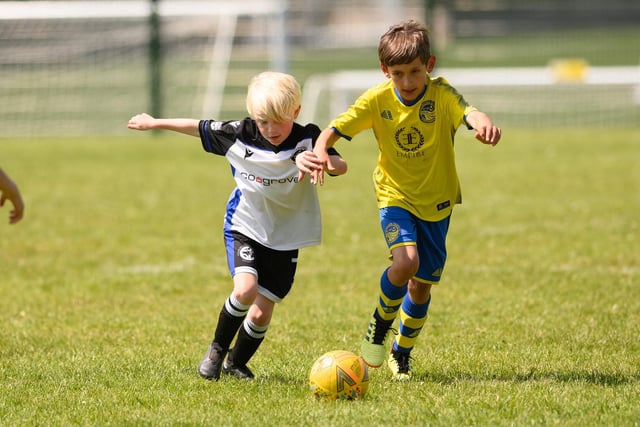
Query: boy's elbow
{"points": [[342, 170], [337, 168]]}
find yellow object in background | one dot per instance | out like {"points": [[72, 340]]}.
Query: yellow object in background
{"points": [[573, 70]]}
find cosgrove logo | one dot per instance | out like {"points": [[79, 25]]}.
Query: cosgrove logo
{"points": [[266, 182]]}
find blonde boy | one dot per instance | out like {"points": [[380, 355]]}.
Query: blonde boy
{"points": [[271, 213]]}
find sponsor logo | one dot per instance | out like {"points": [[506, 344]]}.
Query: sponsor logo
{"points": [[266, 182], [410, 140], [443, 205], [343, 377]]}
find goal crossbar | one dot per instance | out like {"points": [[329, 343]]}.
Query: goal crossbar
{"points": [[16, 10]]}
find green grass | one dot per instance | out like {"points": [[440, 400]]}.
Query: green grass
{"points": [[112, 283]]}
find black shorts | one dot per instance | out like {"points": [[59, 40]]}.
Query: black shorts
{"points": [[275, 270]]}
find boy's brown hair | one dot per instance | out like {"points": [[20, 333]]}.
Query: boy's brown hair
{"points": [[403, 43]]}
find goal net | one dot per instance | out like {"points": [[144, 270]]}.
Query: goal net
{"points": [[83, 67]]}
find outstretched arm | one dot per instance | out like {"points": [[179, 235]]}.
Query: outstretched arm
{"points": [[486, 131], [9, 191], [146, 122]]}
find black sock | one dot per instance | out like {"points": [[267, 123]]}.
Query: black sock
{"points": [[244, 348], [228, 323]]}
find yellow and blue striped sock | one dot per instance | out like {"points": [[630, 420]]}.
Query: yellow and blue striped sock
{"points": [[412, 319], [391, 297]]}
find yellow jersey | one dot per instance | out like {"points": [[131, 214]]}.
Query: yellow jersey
{"points": [[416, 167]]}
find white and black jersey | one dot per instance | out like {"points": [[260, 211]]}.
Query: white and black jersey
{"points": [[268, 204]]}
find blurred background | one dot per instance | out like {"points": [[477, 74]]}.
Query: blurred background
{"points": [[85, 67]]}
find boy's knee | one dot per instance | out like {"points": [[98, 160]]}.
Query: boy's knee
{"points": [[245, 296], [405, 269]]}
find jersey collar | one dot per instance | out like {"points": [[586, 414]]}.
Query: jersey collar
{"points": [[414, 102]]}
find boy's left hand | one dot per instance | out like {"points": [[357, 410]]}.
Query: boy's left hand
{"points": [[308, 163], [486, 131], [489, 135]]}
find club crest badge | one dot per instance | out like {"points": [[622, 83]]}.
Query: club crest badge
{"points": [[391, 232], [246, 253], [428, 111]]}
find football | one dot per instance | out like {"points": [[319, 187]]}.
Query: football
{"points": [[339, 375]]}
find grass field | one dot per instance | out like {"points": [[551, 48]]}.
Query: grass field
{"points": [[111, 286]]}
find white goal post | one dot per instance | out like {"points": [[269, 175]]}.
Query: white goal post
{"points": [[132, 8]]}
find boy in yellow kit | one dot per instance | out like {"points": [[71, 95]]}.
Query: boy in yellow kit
{"points": [[414, 118]]}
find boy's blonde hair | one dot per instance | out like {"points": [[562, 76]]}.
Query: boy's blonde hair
{"points": [[403, 43], [274, 96]]}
